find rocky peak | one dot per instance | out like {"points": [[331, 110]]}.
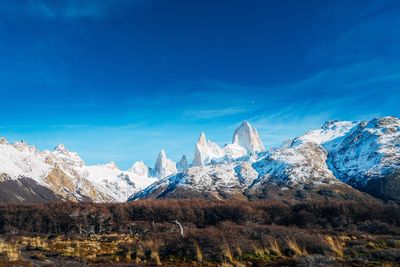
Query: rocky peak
{"points": [[247, 137], [61, 155], [61, 148], [3, 141], [112, 165], [328, 124], [183, 164], [384, 122], [22, 146], [202, 139], [205, 151], [164, 166], [140, 168]]}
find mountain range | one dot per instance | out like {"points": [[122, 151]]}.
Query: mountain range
{"points": [[341, 160]]}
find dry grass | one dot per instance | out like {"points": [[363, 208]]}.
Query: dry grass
{"points": [[238, 250], [227, 253], [255, 232], [139, 254], [153, 246], [295, 248], [274, 246], [335, 246], [199, 253], [11, 252], [259, 251]]}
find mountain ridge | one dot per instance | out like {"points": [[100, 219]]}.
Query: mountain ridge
{"points": [[341, 157]]}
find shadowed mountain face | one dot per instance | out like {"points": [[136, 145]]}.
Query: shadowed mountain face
{"points": [[25, 190]]}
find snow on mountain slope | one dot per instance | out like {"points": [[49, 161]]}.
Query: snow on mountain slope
{"points": [[370, 150], [317, 163], [66, 174], [359, 151], [22, 160], [366, 155], [328, 135], [363, 154], [211, 182], [117, 183], [295, 165]]}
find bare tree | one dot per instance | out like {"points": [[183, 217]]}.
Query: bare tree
{"points": [[180, 228]]}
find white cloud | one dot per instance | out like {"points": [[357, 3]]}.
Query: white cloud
{"points": [[214, 113]]}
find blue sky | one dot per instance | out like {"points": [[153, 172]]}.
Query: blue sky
{"points": [[119, 80]]}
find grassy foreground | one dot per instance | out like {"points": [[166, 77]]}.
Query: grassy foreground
{"points": [[201, 233]]}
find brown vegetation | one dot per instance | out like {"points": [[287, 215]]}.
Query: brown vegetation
{"points": [[233, 233]]}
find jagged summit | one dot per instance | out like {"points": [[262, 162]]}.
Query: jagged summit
{"points": [[205, 151], [112, 165], [364, 155], [183, 164], [60, 147], [335, 160], [245, 141], [202, 139], [164, 166], [25, 147], [139, 168], [3, 141], [384, 122], [246, 136]]}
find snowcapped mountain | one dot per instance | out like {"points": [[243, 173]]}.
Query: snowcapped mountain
{"points": [[333, 161], [338, 160], [364, 154], [66, 175], [211, 182]]}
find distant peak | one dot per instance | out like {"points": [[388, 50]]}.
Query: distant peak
{"points": [[60, 147], [139, 168], [245, 124], [112, 165], [164, 166], [162, 154], [384, 121], [247, 136], [329, 123], [3, 141], [183, 164], [202, 139]]}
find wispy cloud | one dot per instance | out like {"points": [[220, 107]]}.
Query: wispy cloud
{"points": [[68, 9], [63, 9], [214, 113]]}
